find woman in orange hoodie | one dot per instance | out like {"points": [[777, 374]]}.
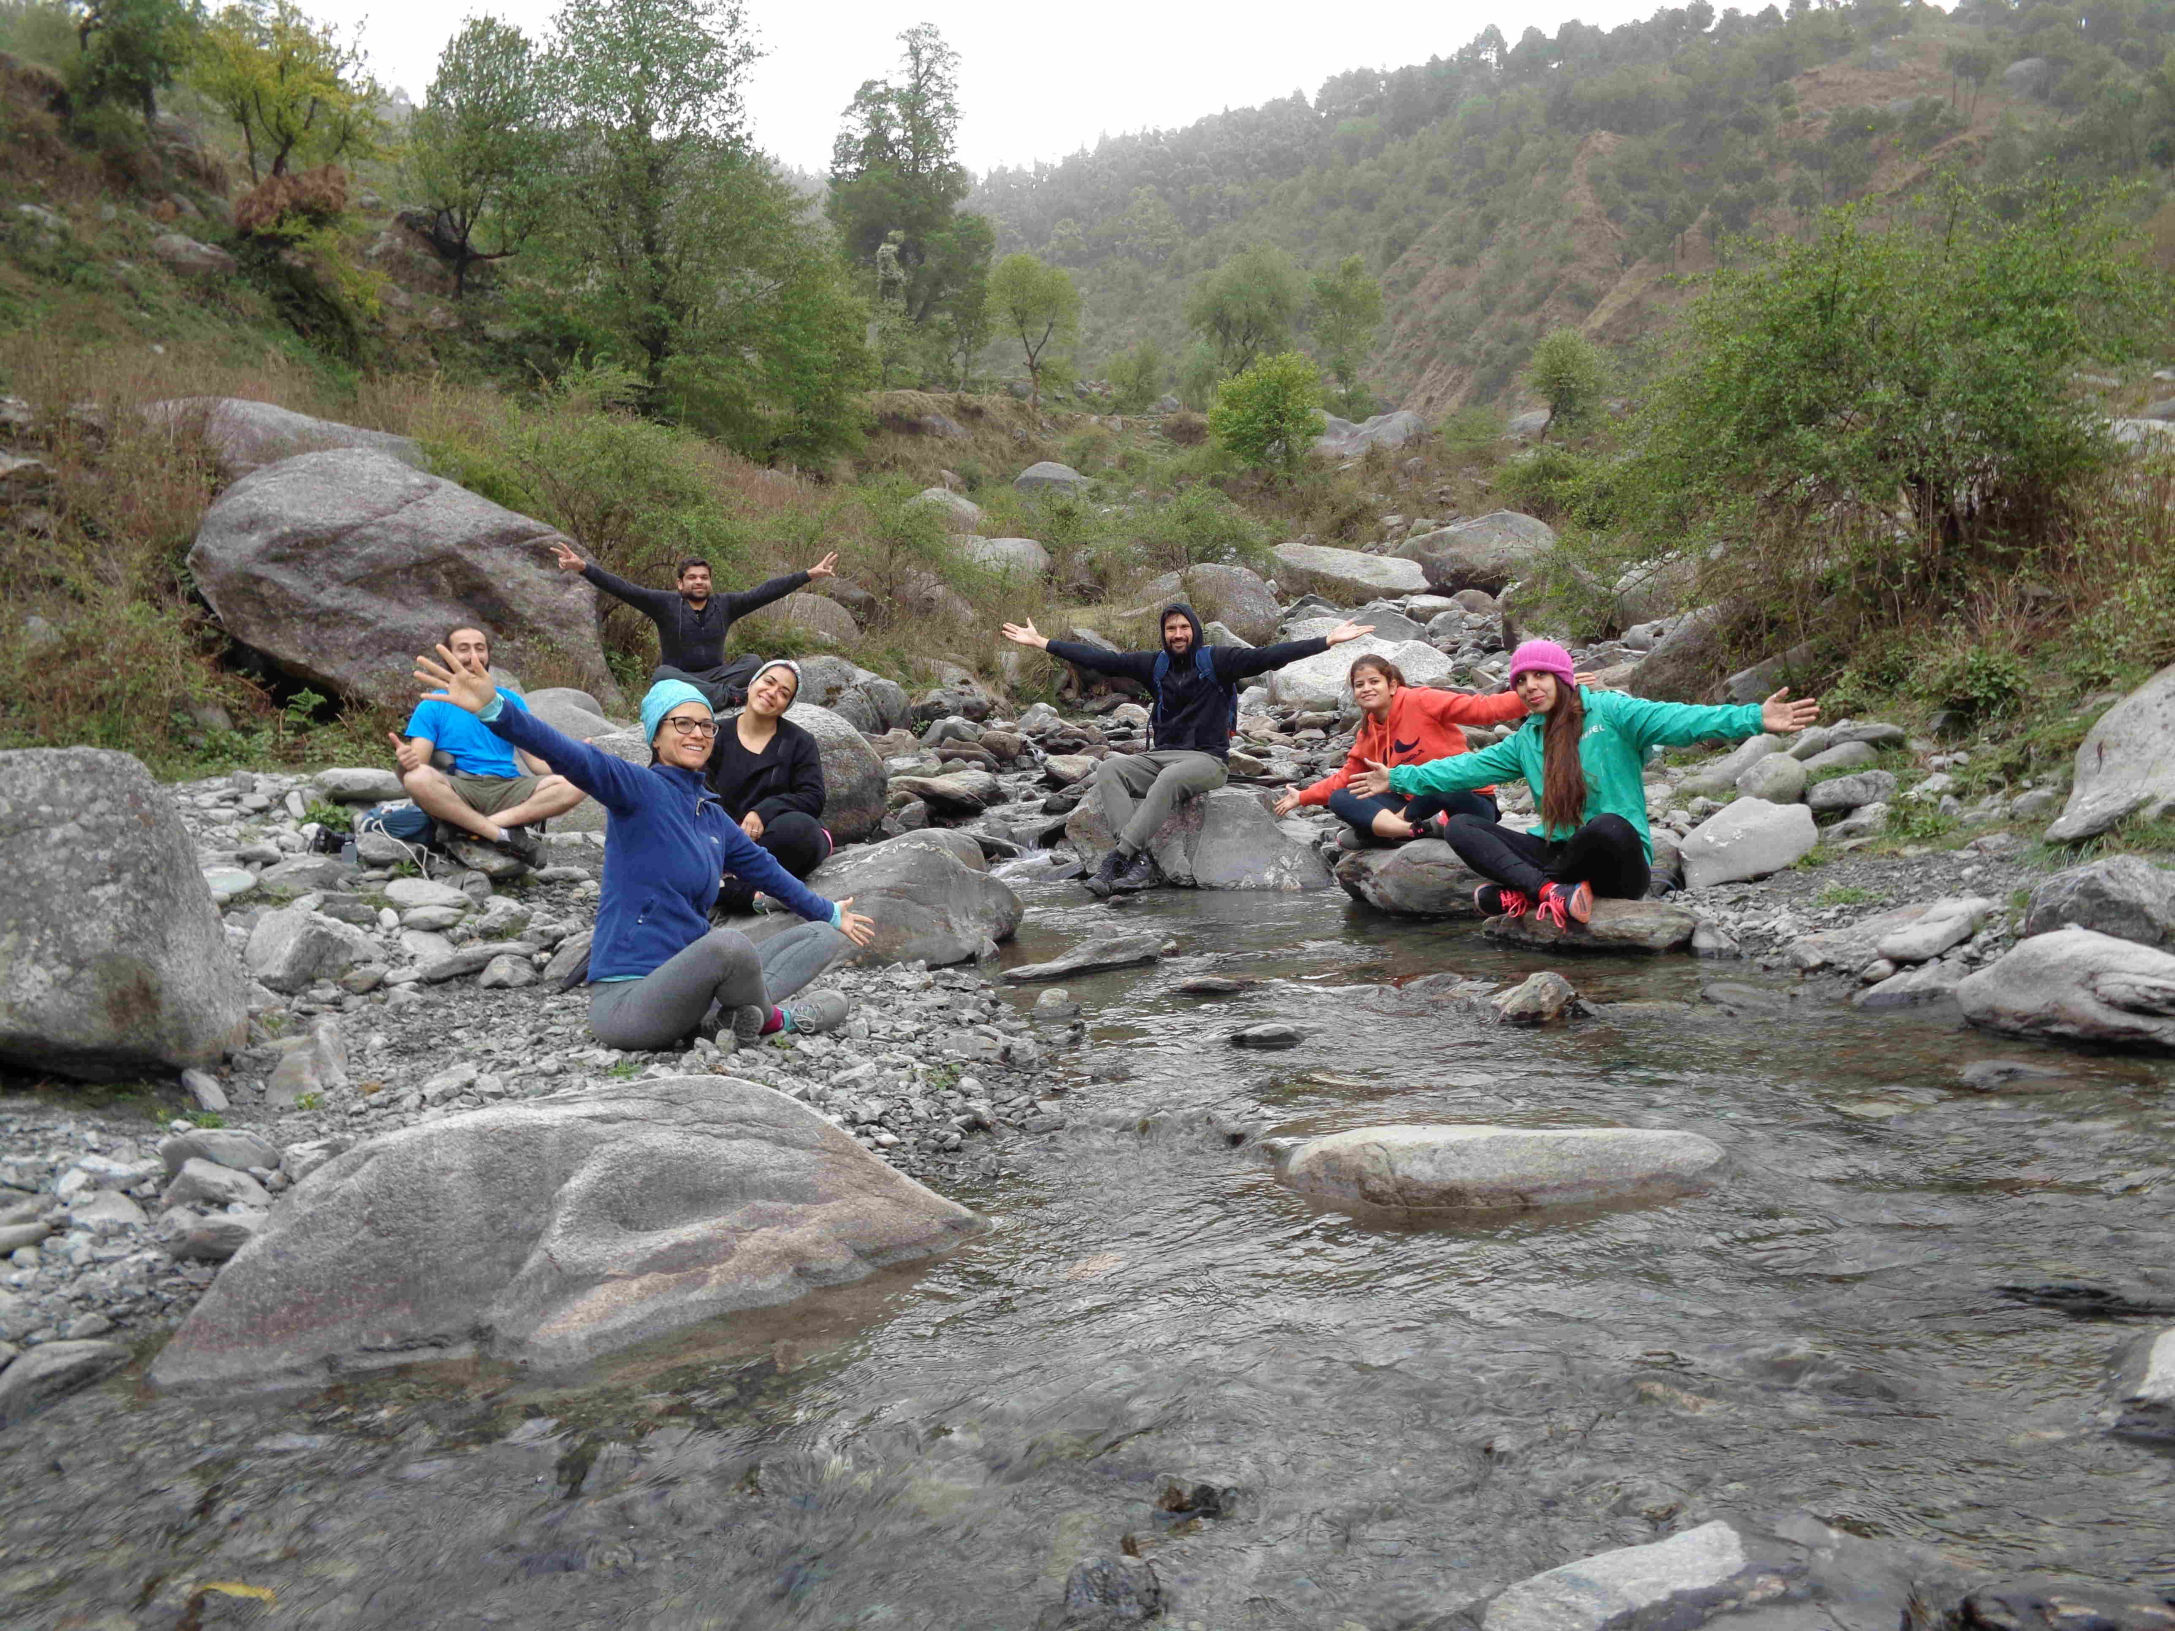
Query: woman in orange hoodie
{"points": [[1404, 724]]}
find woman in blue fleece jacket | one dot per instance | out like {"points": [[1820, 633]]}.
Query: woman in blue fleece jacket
{"points": [[658, 972]]}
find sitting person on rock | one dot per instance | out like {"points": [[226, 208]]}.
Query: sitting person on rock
{"points": [[1584, 753], [658, 973], [769, 774], [692, 622], [1403, 724], [485, 788], [1195, 687]]}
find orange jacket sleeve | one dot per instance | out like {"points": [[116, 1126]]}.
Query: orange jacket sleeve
{"points": [[1354, 762], [1459, 708]]}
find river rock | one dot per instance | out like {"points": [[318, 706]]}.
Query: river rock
{"points": [[1480, 1168], [361, 784], [1846, 793], [1679, 1581], [853, 777], [2075, 985], [1225, 839], [206, 1183], [1842, 756], [293, 948], [1912, 987], [1850, 946], [1944, 923], [1424, 878], [930, 893], [1748, 839], [45, 1373], [244, 436], [222, 1146], [1719, 779], [336, 564], [1320, 681], [1009, 557], [1489, 552], [1047, 476], [2126, 764], [961, 792], [1120, 951], [1775, 777], [2145, 1387], [2122, 895], [410, 892], [1616, 926], [115, 960], [1231, 595], [1543, 998], [550, 1232], [2064, 1605], [1346, 576]]}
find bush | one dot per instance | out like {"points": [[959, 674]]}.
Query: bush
{"points": [[1268, 417], [1570, 374], [1200, 526]]}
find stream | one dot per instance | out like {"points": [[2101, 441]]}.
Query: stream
{"points": [[1407, 1419]]}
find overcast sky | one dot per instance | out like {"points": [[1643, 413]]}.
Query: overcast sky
{"points": [[1036, 81]]}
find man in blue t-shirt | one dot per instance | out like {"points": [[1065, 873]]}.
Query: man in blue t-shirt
{"points": [[460, 773]]}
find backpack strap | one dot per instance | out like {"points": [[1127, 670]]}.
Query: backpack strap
{"points": [[1155, 687], [1204, 664]]}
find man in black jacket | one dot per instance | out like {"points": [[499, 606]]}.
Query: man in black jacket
{"points": [[692, 622], [1189, 727]]}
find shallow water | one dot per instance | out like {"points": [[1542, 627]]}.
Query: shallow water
{"points": [[1412, 1417]]}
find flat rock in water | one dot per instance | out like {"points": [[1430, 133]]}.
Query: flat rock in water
{"points": [[1686, 1573], [1223, 840], [1912, 988], [1540, 999], [1213, 985], [550, 1232], [1423, 1168], [1121, 952], [1424, 878], [2012, 1076], [2145, 1387], [1268, 1037], [43, 1374], [1616, 925], [2075, 985]]}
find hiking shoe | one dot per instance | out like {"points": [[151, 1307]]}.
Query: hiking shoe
{"points": [[749, 1024], [1106, 874], [1577, 900], [1351, 839], [817, 1011], [1436, 826], [523, 845], [1552, 907], [1140, 873], [1494, 900]]}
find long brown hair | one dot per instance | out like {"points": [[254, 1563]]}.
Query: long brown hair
{"points": [[1563, 778]]}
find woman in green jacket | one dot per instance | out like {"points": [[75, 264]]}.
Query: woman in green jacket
{"points": [[1585, 753]]}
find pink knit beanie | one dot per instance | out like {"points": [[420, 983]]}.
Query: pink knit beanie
{"points": [[1545, 657]]}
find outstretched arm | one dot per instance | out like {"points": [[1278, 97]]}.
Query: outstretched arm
{"points": [[1464, 708], [613, 783], [1679, 724], [1132, 665], [1460, 772], [1238, 663], [754, 600]]}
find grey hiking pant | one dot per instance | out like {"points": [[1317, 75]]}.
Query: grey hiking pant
{"points": [[1157, 781], [724, 969]]}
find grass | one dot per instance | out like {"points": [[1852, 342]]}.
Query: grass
{"points": [[1843, 894]]}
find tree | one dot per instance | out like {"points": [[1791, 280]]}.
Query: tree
{"points": [[299, 96], [475, 146], [1970, 64], [1347, 310], [1570, 373], [1268, 416], [1037, 305], [1248, 306], [130, 50], [1137, 376]]}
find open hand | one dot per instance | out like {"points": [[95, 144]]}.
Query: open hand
{"points": [[405, 753], [1782, 717], [855, 926], [462, 687], [1286, 802], [1024, 634], [1371, 783], [752, 824], [1347, 631], [567, 559], [825, 568]]}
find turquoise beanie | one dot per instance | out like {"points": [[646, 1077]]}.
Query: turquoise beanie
{"points": [[663, 697]]}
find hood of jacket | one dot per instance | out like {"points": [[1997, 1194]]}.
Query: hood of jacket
{"points": [[1200, 635]]}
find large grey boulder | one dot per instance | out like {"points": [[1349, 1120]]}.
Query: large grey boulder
{"points": [[962, 510], [1232, 595], [812, 613], [1652, 590], [1225, 839], [244, 435], [2075, 985], [549, 1232], [112, 958], [1747, 839], [1010, 557], [1489, 552], [1616, 926], [1685, 662], [1345, 576], [572, 713], [930, 893], [2125, 765], [853, 777], [2028, 76], [1424, 878], [2122, 895], [1321, 681], [1416, 1168], [341, 566], [45, 1373], [1341, 439], [1678, 1581], [1049, 476]]}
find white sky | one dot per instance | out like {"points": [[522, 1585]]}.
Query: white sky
{"points": [[1036, 82]]}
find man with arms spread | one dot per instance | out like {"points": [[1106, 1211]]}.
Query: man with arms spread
{"points": [[692, 622], [490, 792], [1189, 727]]}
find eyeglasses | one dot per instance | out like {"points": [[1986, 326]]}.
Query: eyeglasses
{"points": [[694, 727]]}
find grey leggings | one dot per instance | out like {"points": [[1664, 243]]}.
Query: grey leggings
{"points": [[724, 968]]}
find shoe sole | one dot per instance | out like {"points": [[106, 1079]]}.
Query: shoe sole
{"points": [[1580, 904]]}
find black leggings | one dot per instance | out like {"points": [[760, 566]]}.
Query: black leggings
{"points": [[1359, 812], [796, 842], [1605, 853]]}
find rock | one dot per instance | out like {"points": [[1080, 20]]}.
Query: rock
{"points": [[1057, 1003], [193, 259], [1719, 779], [1529, 426], [1748, 839], [408, 892], [853, 777], [472, 958], [1050, 476], [1320, 681], [817, 614], [1064, 769], [1842, 756], [1679, 1581], [222, 1146], [2153, 436], [2064, 1605], [1345, 575], [963, 511], [46, 1373], [301, 874], [205, 1183], [1010, 557], [2145, 1387], [1850, 948], [1544, 998], [1944, 923], [1864, 822], [2121, 895], [1651, 591], [1109, 1591], [293, 948], [1424, 878], [1616, 925], [504, 973], [244, 435], [336, 564], [218, 1237], [930, 893], [204, 1088], [1231, 595], [2074, 985], [1225, 839], [1270, 1037], [1852, 792], [1488, 553], [550, 1232], [572, 713], [1342, 439], [1120, 951], [962, 792], [1911, 987], [228, 884], [2126, 764], [1776, 778], [362, 784], [116, 962], [1684, 664], [1480, 1168], [2028, 76]]}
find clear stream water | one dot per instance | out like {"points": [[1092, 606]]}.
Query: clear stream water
{"points": [[1412, 1418]]}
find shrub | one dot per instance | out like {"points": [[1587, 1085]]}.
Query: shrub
{"points": [[1268, 417], [1570, 374]]}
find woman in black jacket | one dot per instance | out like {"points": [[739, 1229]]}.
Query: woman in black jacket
{"points": [[769, 774]]}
